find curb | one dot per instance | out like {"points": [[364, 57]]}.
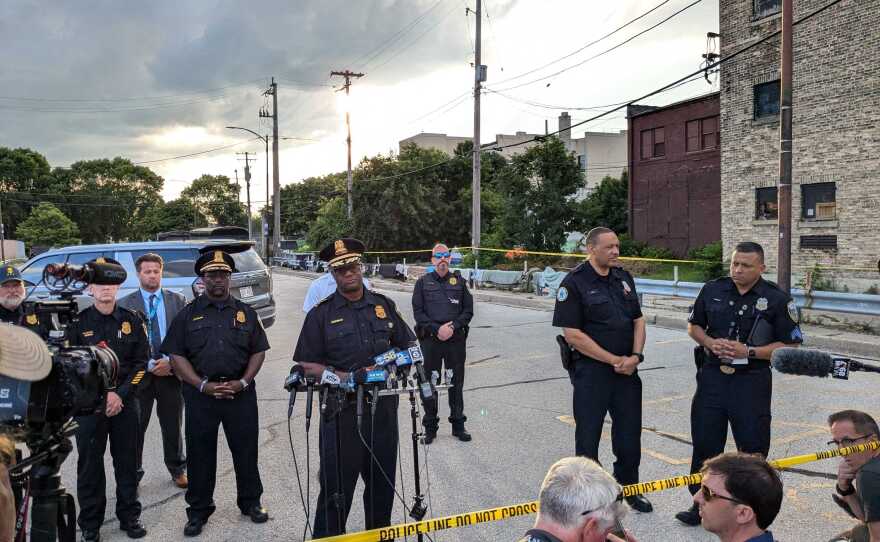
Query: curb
{"points": [[866, 347]]}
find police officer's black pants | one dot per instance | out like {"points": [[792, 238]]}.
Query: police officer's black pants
{"points": [[92, 435], [165, 392], [452, 354], [599, 390], [380, 434], [743, 400], [240, 420]]}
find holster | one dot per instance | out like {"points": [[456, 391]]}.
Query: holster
{"points": [[565, 353], [699, 357]]}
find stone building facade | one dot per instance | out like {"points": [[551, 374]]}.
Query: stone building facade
{"points": [[836, 123]]}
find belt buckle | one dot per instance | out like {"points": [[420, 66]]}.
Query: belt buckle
{"points": [[727, 369]]}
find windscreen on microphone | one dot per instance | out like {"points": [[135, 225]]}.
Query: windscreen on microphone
{"points": [[103, 273], [802, 362]]}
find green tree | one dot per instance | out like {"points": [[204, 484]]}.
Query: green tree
{"points": [[538, 191], [606, 206], [24, 177], [214, 196], [331, 223], [113, 198], [178, 214], [301, 202], [47, 226]]}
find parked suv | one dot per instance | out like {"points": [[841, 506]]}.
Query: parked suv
{"points": [[252, 282]]}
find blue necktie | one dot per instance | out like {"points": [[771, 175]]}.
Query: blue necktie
{"points": [[155, 335]]}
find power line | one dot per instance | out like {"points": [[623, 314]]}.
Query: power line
{"points": [[410, 44], [377, 51], [196, 153], [132, 98]]}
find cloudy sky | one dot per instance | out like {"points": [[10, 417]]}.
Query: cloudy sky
{"points": [[158, 79]]}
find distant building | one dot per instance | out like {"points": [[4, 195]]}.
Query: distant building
{"points": [[599, 154], [836, 153], [674, 174]]}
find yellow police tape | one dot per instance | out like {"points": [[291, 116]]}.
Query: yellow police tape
{"points": [[538, 253], [468, 519]]}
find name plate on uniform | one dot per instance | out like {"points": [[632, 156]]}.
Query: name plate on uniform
{"points": [[739, 361]]}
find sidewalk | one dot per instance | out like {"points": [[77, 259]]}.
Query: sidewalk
{"points": [[659, 311]]}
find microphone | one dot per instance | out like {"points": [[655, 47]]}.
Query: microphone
{"points": [[329, 379], [309, 391], [296, 376], [815, 363], [90, 273]]}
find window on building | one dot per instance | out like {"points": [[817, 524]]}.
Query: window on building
{"points": [[765, 8], [819, 242], [653, 143], [819, 201], [582, 162], [702, 134], [766, 203], [767, 100]]}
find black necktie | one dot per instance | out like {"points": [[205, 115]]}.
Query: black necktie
{"points": [[155, 335]]}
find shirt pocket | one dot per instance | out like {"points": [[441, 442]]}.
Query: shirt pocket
{"points": [[197, 335], [381, 331], [597, 308]]}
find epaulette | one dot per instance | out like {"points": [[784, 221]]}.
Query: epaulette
{"points": [[579, 267], [133, 312], [326, 299]]}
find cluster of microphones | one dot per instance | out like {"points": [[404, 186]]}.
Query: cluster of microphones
{"points": [[797, 361], [390, 370]]}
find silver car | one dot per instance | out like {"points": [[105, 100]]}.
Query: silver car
{"points": [[251, 283]]}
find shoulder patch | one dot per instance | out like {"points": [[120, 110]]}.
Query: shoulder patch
{"points": [[793, 312], [562, 294]]}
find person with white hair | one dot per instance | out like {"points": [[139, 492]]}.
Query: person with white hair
{"points": [[579, 502]]}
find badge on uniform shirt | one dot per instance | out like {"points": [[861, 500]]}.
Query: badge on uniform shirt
{"points": [[32, 319], [452, 281], [88, 333], [793, 312], [562, 294], [239, 317], [762, 304], [626, 288], [126, 328], [380, 312]]}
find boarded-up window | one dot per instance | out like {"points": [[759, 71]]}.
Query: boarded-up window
{"points": [[653, 143], [702, 134]]}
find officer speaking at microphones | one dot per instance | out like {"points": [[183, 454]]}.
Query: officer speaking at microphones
{"points": [[443, 308], [796, 361], [340, 335]]}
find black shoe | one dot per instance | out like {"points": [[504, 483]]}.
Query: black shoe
{"points": [[430, 436], [91, 536], [691, 516], [134, 529], [461, 434], [194, 527], [640, 503], [257, 513]]}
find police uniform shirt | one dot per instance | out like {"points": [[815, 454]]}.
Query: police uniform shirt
{"points": [[537, 535], [603, 307], [437, 300], [36, 323], [347, 334], [124, 332], [217, 337], [763, 315]]}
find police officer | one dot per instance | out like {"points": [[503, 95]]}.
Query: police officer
{"points": [[737, 323], [599, 310], [12, 311], [443, 308], [217, 346], [341, 334], [124, 332]]}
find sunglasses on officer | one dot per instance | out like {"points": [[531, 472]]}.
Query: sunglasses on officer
{"points": [[354, 267], [441, 255], [619, 499]]}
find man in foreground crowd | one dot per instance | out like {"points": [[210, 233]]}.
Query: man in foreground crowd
{"points": [[858, 475]]}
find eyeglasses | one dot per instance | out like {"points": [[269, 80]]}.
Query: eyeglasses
{"points": [[709, 496], [440, 255], [846, 442], [617, 500]]}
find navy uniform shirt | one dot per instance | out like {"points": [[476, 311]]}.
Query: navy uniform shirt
{"points": [[39, 324], [537, 535], [437, 300], [125, 333], [347, 334], [217, 337], [602, 307], [763, 315]]}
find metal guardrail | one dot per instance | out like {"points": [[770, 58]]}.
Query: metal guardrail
{"points": [[865, 304]]}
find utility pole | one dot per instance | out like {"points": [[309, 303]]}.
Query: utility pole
{"points": [[479, 77], [276, 183], [2, 235], [783, 261], [238, 189], [247, 182], [347, 74]]}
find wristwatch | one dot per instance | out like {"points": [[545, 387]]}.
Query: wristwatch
{"points": [[244, 384], [847, 493], [639, 355], [752, 352]]}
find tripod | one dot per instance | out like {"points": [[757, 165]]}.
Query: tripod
{"points": [[53, 515]]}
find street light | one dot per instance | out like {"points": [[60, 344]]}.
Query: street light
{"points": [[264, 139]]}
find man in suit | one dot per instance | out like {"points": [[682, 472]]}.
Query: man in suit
{"points": [[159, 307]]}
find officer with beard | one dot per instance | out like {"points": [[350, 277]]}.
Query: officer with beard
{"points": [[12, 294]]}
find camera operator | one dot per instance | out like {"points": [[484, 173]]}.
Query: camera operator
{"points": [[124, 332], [858, 475], [12, 295]]}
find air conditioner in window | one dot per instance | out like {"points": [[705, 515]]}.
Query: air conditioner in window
{"points": [[826, 211]]}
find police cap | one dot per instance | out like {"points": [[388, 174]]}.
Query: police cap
{"points": [[9, 273], [342, 252], [215, 260]]}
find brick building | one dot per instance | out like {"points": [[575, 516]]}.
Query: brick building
{"points": [[675, 182], [836, 155]]}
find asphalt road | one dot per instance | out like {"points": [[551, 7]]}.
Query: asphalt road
{"points": [[518, 401]]}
